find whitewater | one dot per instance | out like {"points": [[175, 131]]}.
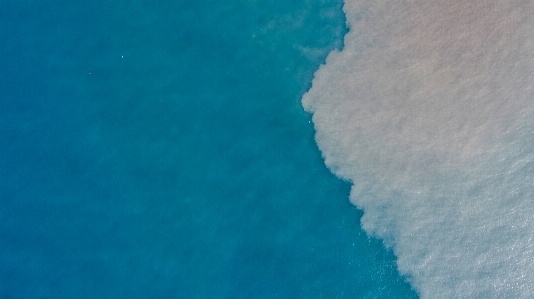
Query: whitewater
{"points": [[428, 112]]}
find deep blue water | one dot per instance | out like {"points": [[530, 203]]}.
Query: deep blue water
{"points": [[184, 165]]}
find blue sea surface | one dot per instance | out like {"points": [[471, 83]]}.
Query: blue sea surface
{"points": [[182, 165]]}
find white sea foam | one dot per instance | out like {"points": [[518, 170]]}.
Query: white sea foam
{"points": [[427, 111]]}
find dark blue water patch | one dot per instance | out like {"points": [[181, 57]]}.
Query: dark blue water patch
{"points": [[183, 166]]}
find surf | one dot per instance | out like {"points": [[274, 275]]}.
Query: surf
{"points": [[427, 112]]}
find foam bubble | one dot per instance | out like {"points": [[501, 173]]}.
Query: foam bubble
{"points": [[427, 111]]}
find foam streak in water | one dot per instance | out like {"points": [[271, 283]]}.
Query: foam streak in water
{"points": [[427, 112]]}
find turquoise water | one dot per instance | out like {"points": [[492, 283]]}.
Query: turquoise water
{"points": [[184, 165]]}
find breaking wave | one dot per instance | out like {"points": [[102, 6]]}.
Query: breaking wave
{"points": [[428, 112]]}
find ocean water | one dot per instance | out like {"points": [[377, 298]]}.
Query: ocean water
{"points": [[428, 112], [183, 165]]}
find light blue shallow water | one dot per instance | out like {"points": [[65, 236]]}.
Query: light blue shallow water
{"points": [[184, 166]]}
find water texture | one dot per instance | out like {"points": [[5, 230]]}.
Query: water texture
{"points": [[184, 165], [427, 111]]}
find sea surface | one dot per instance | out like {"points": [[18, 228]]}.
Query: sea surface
{"points": [[428, 111], [159, 149]]}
